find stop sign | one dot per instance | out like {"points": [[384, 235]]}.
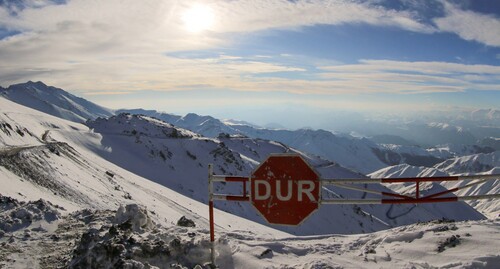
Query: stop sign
{"points": [[285, 189]]}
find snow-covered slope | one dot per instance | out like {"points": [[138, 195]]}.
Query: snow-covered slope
{"points": [[425, 245], [477, 164], [178, 159], [181, 164], [359, 154], [350, 152], [42, 237], [353, 153], [56, 160], [54, 101], [448, 151], [205, 125], [472, 164], [405, 170]]}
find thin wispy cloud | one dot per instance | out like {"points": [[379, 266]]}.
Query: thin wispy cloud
{"points": [[255, 15], [415, 77], [470, 25], [122, 46]]}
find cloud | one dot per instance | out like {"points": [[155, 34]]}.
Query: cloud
{"points": [[470, 25], [255, 15], [413, 77], [124, 45], [436, 68]]}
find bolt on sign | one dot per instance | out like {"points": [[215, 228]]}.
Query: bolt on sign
{"points": [[285, 189]]}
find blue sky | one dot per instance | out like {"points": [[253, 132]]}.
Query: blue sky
{"points": [[261, 61]]}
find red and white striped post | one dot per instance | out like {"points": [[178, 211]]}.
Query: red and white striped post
{"points": [[211, 197], [211, 213]]}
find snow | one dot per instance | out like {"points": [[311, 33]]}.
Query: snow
{"points": [[108, 239], [353, 153], [84, 175], [54, 101], [77, 178], [179, 163], [476, 164], [136, 215], [413, 246]]}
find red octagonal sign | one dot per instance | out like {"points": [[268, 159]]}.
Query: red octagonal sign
{"points": [[285, 189]]}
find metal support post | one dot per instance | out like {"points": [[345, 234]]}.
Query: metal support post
{"points": [[211, 214]]}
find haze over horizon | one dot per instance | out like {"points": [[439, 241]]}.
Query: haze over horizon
{"points": [[295, 63]]}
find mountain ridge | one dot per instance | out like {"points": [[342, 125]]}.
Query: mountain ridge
{"points": [[54, 101]]}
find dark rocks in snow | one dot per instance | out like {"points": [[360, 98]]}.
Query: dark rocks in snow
{"points": [[266, 254], [15, 215], [185, 222], [450, 242], [129, 241], [190, 155], [444, 228]]}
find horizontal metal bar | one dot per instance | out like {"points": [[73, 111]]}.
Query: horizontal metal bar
{"points": [[479, 197], [350, 180], [419, 200], [441, 193], [230, 197], [351, 201], [237, 179], [485, 177], [407, 179], [440, 199], [418, 179], [344, 186], [238, 198], [397, 195], [222, 178], [458, 188], [407, 201], [350, 187]]}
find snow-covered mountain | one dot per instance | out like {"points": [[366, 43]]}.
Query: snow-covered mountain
{"points": [[427, 132], [491, 142], [437, 133], [472, 164], [177, 158], [45, 237], [83, 176], [393, 154], [145, 146], [54, 101], [49, 158], [205, 125], [476, 164], [359, 154]]}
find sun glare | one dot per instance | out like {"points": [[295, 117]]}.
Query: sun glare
{"points": [[198, 18]]}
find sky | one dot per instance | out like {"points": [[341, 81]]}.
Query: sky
{"points": [[293, 62]]}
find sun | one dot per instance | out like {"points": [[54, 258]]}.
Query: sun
{"points": [[198, 18]]}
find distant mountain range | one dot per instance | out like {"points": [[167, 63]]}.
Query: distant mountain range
{"points": [[481, 163], [170, 149], [65, 161]]}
